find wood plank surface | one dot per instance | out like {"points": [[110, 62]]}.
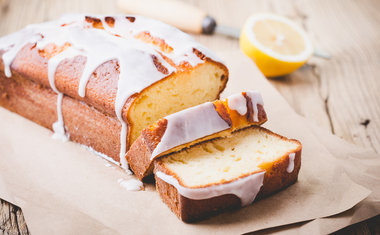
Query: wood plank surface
{"points": [[341, 94]]}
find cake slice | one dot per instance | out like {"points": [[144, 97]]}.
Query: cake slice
{"points": [[227, 173], [191, 126]]}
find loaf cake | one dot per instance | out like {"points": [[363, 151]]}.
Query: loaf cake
{"points": [[226, 173], [99, 80], [193, 125]]}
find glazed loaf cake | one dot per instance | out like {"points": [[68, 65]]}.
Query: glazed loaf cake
{"points": [[193, 125], [99, 80], [226, 173]]}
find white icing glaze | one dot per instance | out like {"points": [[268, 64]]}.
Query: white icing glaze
{"points": [[105, 157], [13, 43], [135, 57], [238, 102], [92, 62], [101, 155], [107, 164], [58, 126], [131, 184], [123, 145], [190, 124], [202, 120], [256, 99], [290, 167], [245, 188]]}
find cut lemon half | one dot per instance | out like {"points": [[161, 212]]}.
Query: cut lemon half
{"points": [[276, 44]]}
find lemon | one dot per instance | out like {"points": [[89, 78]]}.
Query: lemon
{"points": [[276, 44]]}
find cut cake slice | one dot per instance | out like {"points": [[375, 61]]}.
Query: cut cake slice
{"points": [[191, 126], [227, 173]]}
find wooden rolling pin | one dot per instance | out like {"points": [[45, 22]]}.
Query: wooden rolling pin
{"points": [[185, 17], [179, 14]]}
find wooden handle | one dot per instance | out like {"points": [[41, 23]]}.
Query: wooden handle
{"points": [[179, 14]]}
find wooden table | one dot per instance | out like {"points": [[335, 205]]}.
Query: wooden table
{"points": [[341, 94]]}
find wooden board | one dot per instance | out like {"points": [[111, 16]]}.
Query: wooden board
{"points": [[341, 94]]}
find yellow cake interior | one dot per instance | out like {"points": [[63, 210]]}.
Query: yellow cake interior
{"points": [[228, 158], [175, 93]]}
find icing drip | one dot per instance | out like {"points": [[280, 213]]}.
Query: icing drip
{"points": [[256, 99], [245, 188], [123, 144], [202, 120], [290, 167], [92, 63], [59, 126], [101, 155], [110, 38], [13, 43], [190, 124], [238, 102], [105, 157], [136, 68], [55, 61], [131, 185]]}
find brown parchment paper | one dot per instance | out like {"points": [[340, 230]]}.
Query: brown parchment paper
{"points": [[362, 166], [63, 188]]}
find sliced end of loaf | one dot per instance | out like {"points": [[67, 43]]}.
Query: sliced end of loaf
{"points": [[223, 161], [141, 154], [174, 93]]}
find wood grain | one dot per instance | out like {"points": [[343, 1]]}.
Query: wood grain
{"points": [[341, 94], [11, 219]]}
